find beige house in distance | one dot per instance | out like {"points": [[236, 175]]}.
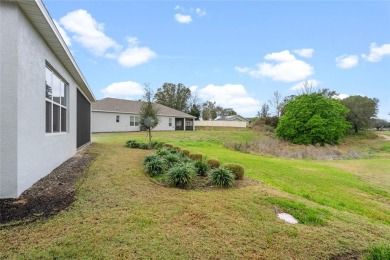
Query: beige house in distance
{"points": [[122, 115]]}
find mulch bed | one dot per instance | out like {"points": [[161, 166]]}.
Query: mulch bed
{"points": [[49, 195]]}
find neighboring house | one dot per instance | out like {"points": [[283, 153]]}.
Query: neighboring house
{"points": [[121, 115], [231, 118], [45, 102]]}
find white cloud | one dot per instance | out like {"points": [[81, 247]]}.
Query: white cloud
{"points": [[341, 96], [280, 56], [178, 7], [307, 53], [88, 32], [311, 83], [376, 53], [181, 18], [64, 35], [126, 90], [230, 96], [200, 12], [347, 61], [285, 68], [135, 55], [193, 89]]}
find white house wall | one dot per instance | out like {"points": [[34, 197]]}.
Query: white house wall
{"points": [[31, 153], [106, 122]]}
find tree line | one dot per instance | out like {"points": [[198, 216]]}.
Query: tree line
{"points": [[311, 117], [179, 97]]}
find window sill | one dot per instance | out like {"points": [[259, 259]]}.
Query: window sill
{"points": [[56, 134]]}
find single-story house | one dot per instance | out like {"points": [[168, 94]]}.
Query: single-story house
{"points": [[45, 102], [122, 115], [231, 118]]}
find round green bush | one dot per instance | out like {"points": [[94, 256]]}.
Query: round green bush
{"points": [[159, 145], [201, 168], [132, 144], [214, 163], [196, 156], [163, 151], [156, 166], [236, 169], [143, 146], [172, 159], [151, 157], [222, 177], [181, 175]]}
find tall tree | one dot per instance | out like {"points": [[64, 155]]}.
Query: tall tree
{"points": [[228, 112], [264, 112], [313, 119], [148, 112], [195, 110], [362, 110], [210, 110], [276, 102], [173, 96]]}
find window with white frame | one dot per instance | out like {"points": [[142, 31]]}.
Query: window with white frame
{"points": [[170, 121], [134, 120], [56, 102]]}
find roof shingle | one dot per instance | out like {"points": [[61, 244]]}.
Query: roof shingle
{"points": [[131, 106]]}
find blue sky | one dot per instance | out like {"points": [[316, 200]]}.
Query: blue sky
{"points": [[234, 53]]}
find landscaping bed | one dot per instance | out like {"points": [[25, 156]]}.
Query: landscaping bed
{"points": [[49, 195]]}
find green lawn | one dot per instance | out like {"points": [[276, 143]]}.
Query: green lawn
{"points": [[343, 206]]}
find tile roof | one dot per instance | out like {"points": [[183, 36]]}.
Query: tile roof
{"points": [[131, 106]]}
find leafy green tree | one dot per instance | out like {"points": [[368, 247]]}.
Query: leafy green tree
{"points": [[362, 110], [228, 112], [148, 113], [210, 110], [173, 96], [195, 110], [313, 119]]}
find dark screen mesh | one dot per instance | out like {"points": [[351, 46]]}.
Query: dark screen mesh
{"points": [[83, 120]]}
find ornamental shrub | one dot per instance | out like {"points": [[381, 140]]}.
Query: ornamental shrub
{"points": [[172, 159], [151, 157], [236, 169], [214, 163], [186, 152], [181, 175], [313, 119], [201, 168], [143, 146], [163, 151], [222, 177], [132, 144], [159, 145], [156, 166], [168, 145], [196, 156], [177, 148]]}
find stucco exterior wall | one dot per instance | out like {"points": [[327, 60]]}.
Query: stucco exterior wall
{"points": [[106, 122], [34, 153], [221, 124], [8, 100]]}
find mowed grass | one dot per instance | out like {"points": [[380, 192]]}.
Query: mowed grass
{"points": [[120, 213]]}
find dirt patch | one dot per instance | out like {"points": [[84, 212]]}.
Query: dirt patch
{"points": [[49, 195]]}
